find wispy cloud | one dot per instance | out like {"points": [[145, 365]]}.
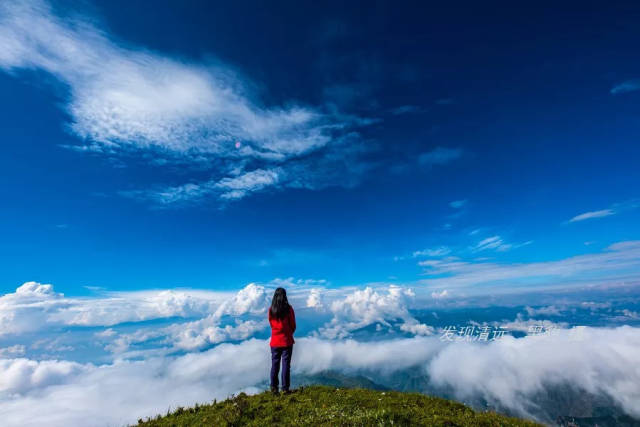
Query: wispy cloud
{"points": [[614, 209], [595, 214], [497, 243], [618, 260], [432, 252], [493, 242], [124, 99], [228, 188], [439, 156], [626, 86]]}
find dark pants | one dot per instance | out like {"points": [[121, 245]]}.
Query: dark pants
{"points": [[283, 353]]}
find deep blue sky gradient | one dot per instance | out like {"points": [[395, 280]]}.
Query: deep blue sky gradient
{"points": [[524, 91]]}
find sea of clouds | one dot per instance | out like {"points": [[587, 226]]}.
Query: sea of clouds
{"points": [[214, 344]]}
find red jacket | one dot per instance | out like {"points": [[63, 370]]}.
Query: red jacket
{"points": [[282, 329]]}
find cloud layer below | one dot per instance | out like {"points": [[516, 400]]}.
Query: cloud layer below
{"points": [[506, 372], [213, 346]]}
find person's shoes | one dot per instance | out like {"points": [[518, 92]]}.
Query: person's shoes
{"points": [[274, 391], [286, 391]]}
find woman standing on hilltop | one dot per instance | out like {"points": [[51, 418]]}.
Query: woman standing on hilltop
{"points": [[283, 324]]}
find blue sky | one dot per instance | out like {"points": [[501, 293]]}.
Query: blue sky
{"points": [[357, 132]]}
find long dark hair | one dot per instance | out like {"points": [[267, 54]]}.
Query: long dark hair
{"points": [[279, 304]]}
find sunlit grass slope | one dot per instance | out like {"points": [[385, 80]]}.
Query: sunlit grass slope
{"points": [[321, 406]]}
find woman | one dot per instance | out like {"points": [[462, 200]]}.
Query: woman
{"points": [[283, 325]]}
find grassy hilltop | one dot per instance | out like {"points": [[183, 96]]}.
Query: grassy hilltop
{"points": [[322, 405]]}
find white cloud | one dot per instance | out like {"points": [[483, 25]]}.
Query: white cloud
{"points": [[120, 393], [367, 307], [28, 308], [595, 214], [416, 328], [251, 299], [132, 307], [616, 208], [204, 333], [34, 306], [219, 317], [124, 99], [315, 299], [20, 376], [510, 370]]}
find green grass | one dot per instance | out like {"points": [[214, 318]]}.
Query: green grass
{"points": [[321, 406]]}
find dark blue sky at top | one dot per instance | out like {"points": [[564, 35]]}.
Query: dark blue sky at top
{"points": [[523, 90]]}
